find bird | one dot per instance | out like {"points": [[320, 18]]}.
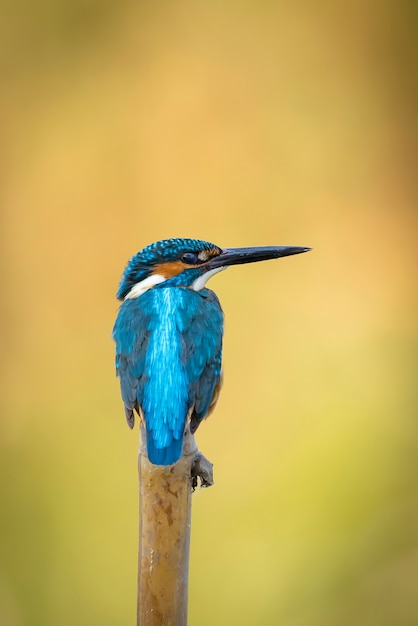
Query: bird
{"points": [[168, 334]]}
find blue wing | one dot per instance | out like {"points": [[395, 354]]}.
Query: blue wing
{"points": [[203, 354], [131, 333], [168, 359]]}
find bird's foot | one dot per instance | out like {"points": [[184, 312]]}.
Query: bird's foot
{"points": [[201, 468]]}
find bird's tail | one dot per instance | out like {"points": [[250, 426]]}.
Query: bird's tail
{"points": [[167, 455]]}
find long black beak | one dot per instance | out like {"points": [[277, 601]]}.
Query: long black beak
{"points": [[238, 256]]}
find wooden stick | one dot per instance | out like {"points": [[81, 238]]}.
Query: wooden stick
{"points": [[165, 496]]}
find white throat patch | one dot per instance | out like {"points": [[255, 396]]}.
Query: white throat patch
{"points": [[139, 288], [200, 282]]}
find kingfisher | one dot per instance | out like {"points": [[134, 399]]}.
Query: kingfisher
{"points": [[168, 335]]}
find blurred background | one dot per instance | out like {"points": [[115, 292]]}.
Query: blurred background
{"points": [[243, 123]]}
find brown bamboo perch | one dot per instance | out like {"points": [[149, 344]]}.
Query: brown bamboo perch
{"points": [[165, 497]]}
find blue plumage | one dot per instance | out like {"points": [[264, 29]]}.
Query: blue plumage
{"points": [[168, 359], [168, 336]]}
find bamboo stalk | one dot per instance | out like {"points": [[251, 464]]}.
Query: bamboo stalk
{"points": [[165, 497]]}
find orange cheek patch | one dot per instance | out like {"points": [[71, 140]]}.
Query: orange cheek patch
{"points": [[205, 255], [168, 270]]}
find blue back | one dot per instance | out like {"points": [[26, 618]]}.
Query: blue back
{"points": [[168, 359]]}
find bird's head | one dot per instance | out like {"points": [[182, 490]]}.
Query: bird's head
{"points": [[188, 263]]}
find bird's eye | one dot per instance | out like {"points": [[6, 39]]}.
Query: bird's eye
{"points": [[190, 258]]}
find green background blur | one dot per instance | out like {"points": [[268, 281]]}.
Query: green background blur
{"points": [[244, 123]]}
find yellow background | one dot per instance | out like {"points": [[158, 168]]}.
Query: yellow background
{"points": [[243, 123]]}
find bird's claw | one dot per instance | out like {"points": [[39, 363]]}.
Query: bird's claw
{"points": [[201, 468]]}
